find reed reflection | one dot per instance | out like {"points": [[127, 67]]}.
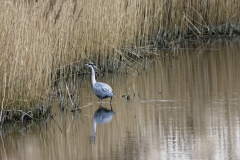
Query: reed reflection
{"points": [[101, 116]]}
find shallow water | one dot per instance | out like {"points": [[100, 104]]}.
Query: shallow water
{"points": [[183, 105]]}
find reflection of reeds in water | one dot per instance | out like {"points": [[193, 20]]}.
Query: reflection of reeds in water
{"points": [[196, 116], [36, 38]]}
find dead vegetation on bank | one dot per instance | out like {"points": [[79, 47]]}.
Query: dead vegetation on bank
{"points": [[44, 40]]}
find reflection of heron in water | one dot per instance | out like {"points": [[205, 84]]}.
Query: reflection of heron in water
{"points": [[101, 116], [101, 90]]}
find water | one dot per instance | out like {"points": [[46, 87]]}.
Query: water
{"points": [[183, 105]]}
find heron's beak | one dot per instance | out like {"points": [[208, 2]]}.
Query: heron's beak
{"points": [[86, 64]]}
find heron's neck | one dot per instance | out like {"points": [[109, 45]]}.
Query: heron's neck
{"points": [[93, 76], [94, 127], [93, 131]]}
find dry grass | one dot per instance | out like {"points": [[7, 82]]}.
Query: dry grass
{"points": [[38, 38]]}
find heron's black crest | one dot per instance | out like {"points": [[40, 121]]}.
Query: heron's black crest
{"points": [[91, 64]]}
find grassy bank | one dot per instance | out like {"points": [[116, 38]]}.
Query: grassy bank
{"points": [[42, 40]]}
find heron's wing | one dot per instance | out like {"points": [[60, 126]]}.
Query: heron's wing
{"points": [[102, 88]]}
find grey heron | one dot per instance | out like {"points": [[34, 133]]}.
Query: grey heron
{"points": [[101, 116], [101, 90]]}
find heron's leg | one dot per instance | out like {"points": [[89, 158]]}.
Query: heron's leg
{"points": [[100, 106], [111, 103]]}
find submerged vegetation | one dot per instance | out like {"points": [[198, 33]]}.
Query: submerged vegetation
{"points": [[45, 40]]}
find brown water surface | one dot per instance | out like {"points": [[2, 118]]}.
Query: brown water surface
{"points": [[183, 105]]}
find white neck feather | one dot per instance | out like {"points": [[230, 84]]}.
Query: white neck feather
{"points": [[93, 76]]}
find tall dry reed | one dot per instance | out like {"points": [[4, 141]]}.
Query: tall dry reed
{"points": [[37, 38]]}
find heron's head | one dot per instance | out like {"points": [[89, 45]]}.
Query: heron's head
{"points": [[90, 64]]}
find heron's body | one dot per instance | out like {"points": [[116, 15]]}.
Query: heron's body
{"points": [[101, 90], [103, 115]]}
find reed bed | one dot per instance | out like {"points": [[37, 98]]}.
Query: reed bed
{"points": [[44, 40]]}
